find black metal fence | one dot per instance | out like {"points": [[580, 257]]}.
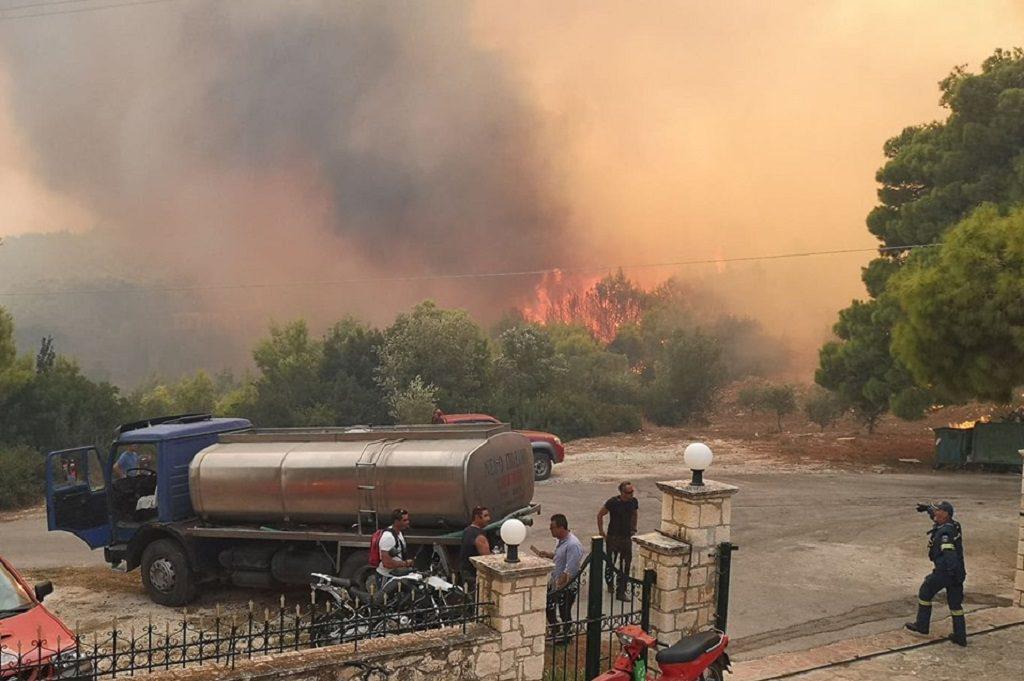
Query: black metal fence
{"points": [[584, 614], [222, 640], [724, 571]]}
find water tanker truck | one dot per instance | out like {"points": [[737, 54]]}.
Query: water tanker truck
{"points": [[194, 499]]}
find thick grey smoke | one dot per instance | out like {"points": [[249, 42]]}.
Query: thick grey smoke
{"points": [[265, 140]]}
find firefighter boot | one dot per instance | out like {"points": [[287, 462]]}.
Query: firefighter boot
{"points": [[924, 618], [959, 635]]}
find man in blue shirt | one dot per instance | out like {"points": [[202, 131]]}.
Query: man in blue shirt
{"points": [[562, 586], [128, 461]]}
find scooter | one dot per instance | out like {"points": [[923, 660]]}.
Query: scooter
{"points": [[700, 657]]}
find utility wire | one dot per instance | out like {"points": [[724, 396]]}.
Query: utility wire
{"points": [[453, 276], [76, 10], [47, 3]]}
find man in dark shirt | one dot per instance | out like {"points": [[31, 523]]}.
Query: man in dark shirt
{"points": [[619, 538], [474, 543]]}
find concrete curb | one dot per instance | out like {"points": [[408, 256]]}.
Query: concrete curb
{"points": [[789, 664]]}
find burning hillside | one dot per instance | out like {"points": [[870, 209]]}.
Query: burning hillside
{"points": [[603, 305]]}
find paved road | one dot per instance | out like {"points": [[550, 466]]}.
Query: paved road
{"points": [[995, 656], [828, 555], [823, 555]]}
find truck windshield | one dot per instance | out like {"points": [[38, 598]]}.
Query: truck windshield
{"points": [[13, 598]]}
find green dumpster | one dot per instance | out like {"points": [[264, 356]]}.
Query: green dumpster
{"points": [[952, 446], [997, 443]]}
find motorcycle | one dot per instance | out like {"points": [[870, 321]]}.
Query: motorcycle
{"points": [[406, 601], [700, 657]]}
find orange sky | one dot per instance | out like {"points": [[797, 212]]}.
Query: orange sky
{"points": [[739, 128], [691, 130]]}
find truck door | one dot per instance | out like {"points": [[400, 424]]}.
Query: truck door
{"points": [[76, 495]]}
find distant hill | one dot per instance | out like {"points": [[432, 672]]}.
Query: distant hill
{"points": [[74, 287]]}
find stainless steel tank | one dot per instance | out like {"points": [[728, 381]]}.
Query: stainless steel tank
{"points": [[324, 477]]}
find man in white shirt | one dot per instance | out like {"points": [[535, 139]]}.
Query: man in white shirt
{"points": [[392, 544]]}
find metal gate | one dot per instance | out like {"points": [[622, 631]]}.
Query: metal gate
{"points": [[583, 616]]}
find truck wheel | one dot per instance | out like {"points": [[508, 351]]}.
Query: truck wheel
{"points": [[541, 466], [166, 574], [357, 568]]}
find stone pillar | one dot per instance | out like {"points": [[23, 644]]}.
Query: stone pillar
{"points": [[1018, 582], [517, 594], [683, 552]]}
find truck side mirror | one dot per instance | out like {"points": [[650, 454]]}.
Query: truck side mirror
{"points": [[43, 589]]}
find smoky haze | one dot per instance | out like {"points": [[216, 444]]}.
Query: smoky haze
{"points": [[291, 141], [202, 143]]}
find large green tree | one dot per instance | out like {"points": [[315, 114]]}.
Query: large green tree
{"points": [[288, 391], [61, 407], [445, 348], [962, 328], [348, 370], [934, 175], [860, 368], [15, 372]]}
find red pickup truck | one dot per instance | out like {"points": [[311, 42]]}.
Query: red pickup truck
{"points": [[547, 448], [34, 644]]}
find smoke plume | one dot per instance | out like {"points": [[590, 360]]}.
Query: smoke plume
{"points": [[216, 147], [291, 141]]}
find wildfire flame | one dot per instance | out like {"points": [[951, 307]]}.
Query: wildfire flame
{"points": [[602, 305], [971, 423]]}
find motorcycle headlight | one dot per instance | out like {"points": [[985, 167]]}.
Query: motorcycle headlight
{"points": [[69, 664], [8, 657], [624, 639]]}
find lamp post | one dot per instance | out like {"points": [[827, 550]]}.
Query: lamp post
{"points": [[697, 458], [513, 532]]}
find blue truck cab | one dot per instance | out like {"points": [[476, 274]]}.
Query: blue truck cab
{"points": [[140, 485]]}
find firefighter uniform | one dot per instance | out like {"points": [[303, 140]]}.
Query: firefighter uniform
{"points": [[946, 551]]}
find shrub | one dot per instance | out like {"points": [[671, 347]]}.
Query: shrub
{"points": [[777, 399], [415, 403], [21, 477], [823, 408]]}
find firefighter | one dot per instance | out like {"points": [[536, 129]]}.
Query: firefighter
{"points": [[946, 551]]}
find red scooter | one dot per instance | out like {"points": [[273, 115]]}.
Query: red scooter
{"points": [[700, 657]]}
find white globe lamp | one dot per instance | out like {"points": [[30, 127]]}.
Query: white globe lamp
{"points": [[513, 532], [697, 458]]}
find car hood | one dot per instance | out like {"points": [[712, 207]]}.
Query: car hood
{"points": [[37, 631]]}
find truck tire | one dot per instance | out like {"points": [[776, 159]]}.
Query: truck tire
{"points": [[167, 575], [541, 465], [357, 568]]}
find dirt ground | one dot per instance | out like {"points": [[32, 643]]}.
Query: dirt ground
{"points": [[751, 440], [816, 510]]}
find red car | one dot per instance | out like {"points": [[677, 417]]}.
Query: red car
{"points": [[547, 448], [34, 644]]}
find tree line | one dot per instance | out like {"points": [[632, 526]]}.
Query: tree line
{"points": [[666, 363]]}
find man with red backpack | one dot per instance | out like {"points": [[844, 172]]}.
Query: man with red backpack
{"points": [[387, 547]]}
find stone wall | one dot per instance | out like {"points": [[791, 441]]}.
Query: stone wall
{"points": [[1018, 583], [441, 654]]}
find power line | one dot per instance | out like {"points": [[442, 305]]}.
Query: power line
{"points": [[78, 10], [454, 276], [47, 3]]}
